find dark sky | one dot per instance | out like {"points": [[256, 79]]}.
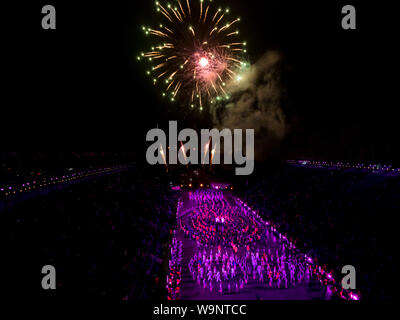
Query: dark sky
{"points": [[80, 86]]}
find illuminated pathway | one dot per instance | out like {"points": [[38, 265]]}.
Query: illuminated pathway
{"points": [[219, 236]]}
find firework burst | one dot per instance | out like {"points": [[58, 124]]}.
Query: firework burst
{"points": [[198, 53]]}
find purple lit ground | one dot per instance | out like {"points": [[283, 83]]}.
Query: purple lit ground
{"points": [[190, 290]]}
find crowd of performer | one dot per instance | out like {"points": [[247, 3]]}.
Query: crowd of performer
{"points": [[206, 195], [235, 246], [227, 271], [174, 276], [213, 220]]}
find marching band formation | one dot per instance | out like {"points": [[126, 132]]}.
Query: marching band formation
{"points": [[234, 247]]}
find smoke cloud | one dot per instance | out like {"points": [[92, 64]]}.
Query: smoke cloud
{"points": [[256, 104]]}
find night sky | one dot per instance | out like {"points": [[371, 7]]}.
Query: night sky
{"points": [[80, 86]]}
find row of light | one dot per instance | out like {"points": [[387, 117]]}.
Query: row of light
{"points": [[281, 236], [8, 191], [202, 186], [345, 165]]}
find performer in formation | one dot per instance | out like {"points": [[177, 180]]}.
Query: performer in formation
{"points": [[175, 270], [223, 271], [215, 220], [235, 246]]}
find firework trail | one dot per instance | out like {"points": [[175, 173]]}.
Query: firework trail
{"points": [[212, 155], [184, 152], [164, 158], [206, 147], [198, 53]]}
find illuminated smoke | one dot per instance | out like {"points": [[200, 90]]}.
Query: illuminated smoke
{"points": [[255, 103]]}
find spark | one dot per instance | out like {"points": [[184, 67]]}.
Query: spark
{"points": [[203, 62]]}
